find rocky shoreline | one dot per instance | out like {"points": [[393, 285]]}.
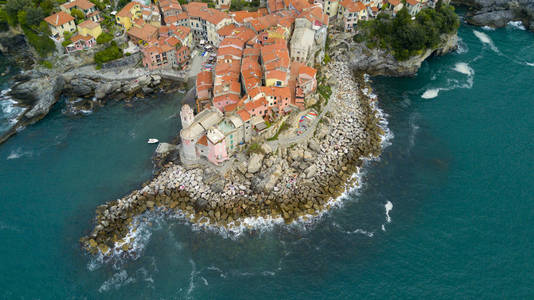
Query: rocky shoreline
{"points": [[277, 182], [39, 89], [498, 13], [379, 62]]}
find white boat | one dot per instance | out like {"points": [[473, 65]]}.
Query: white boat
{"points": [[153, 141]]}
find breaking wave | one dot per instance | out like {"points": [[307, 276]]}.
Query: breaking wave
{"points": [[430, 93], [517, 25], [485, 39], [460, 67]]}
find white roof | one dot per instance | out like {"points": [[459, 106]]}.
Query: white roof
{"points": [[214, 135]]}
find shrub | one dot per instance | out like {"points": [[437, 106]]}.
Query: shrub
{"points": [[405, 37], [104, 38], [47, 64], [41, 42], [65, 43], [110, 53]]}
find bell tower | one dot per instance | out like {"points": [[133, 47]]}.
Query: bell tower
{"points": [[186, 115]]}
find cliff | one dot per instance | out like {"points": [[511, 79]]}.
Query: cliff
{"points": [[15, 47], [497, 13], [39, 89], [380, 62]]}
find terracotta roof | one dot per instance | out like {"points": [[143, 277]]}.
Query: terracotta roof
{"points": [[88, 24], [255, 104], [59, 18], [353, 6], [203, 140], [308, 71], [144, 33], [232, 98], [394, 2], [230, 107], [125, 11], [197, 10], [94, 13], [81, 37], [251, 52], [83, 4], [272, 91], [412, 2], [276, 74], [244, 115]]}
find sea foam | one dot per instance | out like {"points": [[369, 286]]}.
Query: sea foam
{"points": [[430, 93], [517, 25], [485, 39]]}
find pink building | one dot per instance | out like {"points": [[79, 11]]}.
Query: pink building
{"points": [[80, 42]]}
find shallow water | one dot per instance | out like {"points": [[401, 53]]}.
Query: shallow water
{"points": [[446, 212]]}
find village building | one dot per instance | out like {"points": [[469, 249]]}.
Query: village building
{"points": [[85, 6], [350, 13], [414, 7], [59, 23], [89, 27], [301, 44], [80, 42], [142, 33], [128, 14]]}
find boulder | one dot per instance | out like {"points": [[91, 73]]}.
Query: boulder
{"points": [[265, 148], [81, 86], [314, 145], [254, 163], [311, 171]]}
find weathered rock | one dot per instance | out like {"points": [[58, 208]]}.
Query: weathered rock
{"points": [[379, 62], [265, 148], [314, 145], [254, 163]]}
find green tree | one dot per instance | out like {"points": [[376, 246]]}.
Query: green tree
{"points": [[104, 38], [13, 6], [47, 6], [77, 14], [21, 17], [34, 15]]}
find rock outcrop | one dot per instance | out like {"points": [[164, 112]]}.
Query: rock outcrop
{"points": [[497, 13], [379, 62], [39, 89], [15, 48]]}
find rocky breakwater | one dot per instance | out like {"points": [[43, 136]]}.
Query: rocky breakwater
{"points": [[274, 181], [378, 61], [39, 89], [498, 13]]}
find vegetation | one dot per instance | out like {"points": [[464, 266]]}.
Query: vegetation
{"points": [[104, 38], [39, 41], [254, 148], [325, 91], [405, 37], [46, 64], [236, 5], [77, 14], [283, 127], [110, 53]]}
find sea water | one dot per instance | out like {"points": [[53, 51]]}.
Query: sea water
{"points": [[446, 212]]}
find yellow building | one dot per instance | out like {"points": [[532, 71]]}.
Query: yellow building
{"points": [[89, 27], [128, 14], [331, 7], [59, 23]]}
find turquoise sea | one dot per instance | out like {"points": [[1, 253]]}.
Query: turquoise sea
{"points": [[447, 211]]}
